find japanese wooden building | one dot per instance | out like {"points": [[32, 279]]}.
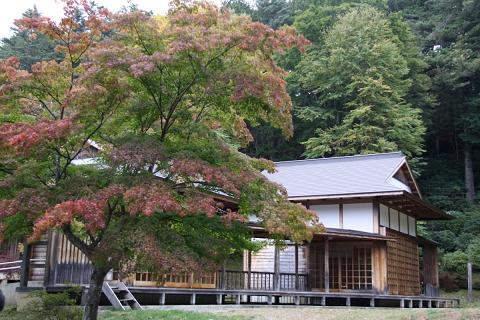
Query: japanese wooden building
{"points": [[370, 206]]}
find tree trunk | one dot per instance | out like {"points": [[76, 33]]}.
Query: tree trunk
{"points": [[94, 293], [469, 178]]}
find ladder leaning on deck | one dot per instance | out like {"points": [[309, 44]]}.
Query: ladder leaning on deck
{"points": [[120, 297]]}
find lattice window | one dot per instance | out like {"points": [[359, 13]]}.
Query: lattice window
{"points": [[350, 266], [354, 267]]}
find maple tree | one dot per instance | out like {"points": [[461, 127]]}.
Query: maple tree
{"points": [[168, 100]]}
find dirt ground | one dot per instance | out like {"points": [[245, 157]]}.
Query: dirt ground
{"points": [[332, 313]]}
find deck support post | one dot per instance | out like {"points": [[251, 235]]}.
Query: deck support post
{"points": [[324, 301], [327, 269], [161, 301], [348, 302], [297, 300], [270, 300], [249, 272], [402, 303], [420, 303], [237, 299], [410, 303], [372, 302], [276, 269], [25, 271], [193, 298], [296, 267], [429, 305], [219, 299]]}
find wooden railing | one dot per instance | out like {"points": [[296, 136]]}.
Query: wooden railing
{"points": [[255, 280], [10, 266], [67, 265]]}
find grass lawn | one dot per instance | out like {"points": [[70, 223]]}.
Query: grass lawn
{"points": [[278, 313], [12, 314], [165, 315], [298, 313], [467, 311]]}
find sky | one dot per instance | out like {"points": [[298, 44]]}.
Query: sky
{"points": [[13, 9]]}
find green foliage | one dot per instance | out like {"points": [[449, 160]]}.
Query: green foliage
{"points": [[274, 13], [54, 306], [473, 252], [317, 18], [238, 6], [165, 315], [27, 46], [455, 261], [360, 84]]}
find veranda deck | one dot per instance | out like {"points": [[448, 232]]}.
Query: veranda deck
{"points": [[222, 296], [182, 296]]}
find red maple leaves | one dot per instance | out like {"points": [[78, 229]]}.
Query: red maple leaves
{"points": [[23, 136], [166, 81]]}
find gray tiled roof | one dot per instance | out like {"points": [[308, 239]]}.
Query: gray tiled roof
{"points": [[339, 175]]}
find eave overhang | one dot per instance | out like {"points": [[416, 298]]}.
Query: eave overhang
{"points": [[414, 206], [401, 200], [329, 233]]}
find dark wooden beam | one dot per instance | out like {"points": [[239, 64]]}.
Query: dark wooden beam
{"points": [[296, 267], [249, 274], [327, 267], [276, 269]]}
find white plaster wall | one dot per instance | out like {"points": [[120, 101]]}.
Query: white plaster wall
{"points": [[412, 230], [394, 219], [358, 216], [384, 216], [403, 223], [329, 214]]}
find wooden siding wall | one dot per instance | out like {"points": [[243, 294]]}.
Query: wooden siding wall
{"points": [[403, 271], [9, 251], [379, 267], [430, 270], [262, 261], [67, 264]]}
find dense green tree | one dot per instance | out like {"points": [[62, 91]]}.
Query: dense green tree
{"points": [[27, 46], [238, 6], [274, 13], [449, 33], [359, 81], [316, 18]]}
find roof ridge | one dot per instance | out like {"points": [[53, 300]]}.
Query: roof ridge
{"points": [[342, 157]]}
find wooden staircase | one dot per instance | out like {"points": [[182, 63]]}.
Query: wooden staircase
{"points": [[120, 297]]}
